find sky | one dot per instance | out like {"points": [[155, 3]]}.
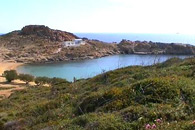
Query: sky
{"points": [[100, 16]]}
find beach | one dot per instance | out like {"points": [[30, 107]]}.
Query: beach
{"points": [[6, 89], [8, 66]]}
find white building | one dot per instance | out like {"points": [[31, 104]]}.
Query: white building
{"points": [[74, 43]]}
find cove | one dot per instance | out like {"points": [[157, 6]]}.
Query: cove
{"points": [[92, 67]]}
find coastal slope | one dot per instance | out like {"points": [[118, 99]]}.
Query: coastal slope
{"points": [[139, 47], [40, 44], [160, 96]]}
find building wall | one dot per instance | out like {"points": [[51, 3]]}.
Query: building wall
{"points": [[76, 42]]}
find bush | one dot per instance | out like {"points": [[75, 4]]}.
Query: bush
{"points": [[90, 103], [55, 81], [10, 75], [141, 75], [128, 98], [145, 92], [170, 62], [156, 90], [43, 107], [26, 77], [58, 85], [108, 121], [42, 80]]}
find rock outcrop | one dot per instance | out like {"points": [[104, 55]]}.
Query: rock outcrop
{"points": [[46, 32], [138, 47]]}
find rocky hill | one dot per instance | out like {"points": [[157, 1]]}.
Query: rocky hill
{"points": [[40, 44], [138, 47], [47, 33]]}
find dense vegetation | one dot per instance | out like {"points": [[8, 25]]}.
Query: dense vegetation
{"points": [[152, 97], [10, 75], [26, 77]]}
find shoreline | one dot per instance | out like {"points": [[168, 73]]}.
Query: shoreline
{"points": [[9, 66], [14, 65], [92, 58]]}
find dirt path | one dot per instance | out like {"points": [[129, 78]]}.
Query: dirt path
{"points": [[6, 93], [6, 89]]}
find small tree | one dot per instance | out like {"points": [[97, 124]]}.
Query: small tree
{"points": [[42, 80], [10, 75], [26, 78]]}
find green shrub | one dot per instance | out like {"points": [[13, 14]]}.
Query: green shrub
{"points": [[170, 62], [42, 80], [10, 75], [141, 75], [55, 81], [26, 77], [127, 98], [90, 103], [189, 61], [153, 90], [58, 86], [106, 122], [43, 107], [156, 90]]}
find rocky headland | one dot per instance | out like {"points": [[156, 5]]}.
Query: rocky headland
{"points": [[40, 44], [144, 47]]}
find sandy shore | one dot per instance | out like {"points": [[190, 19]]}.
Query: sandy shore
{"points": [[6, 89], [8, 66]]}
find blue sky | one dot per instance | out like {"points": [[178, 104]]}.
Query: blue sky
{"points": [[116, 16]]}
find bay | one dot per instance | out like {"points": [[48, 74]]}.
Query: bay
{"points": [[92, 67]]}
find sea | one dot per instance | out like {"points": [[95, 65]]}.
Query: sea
{"points": [[117, 37]]}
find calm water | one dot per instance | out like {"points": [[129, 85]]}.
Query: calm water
{"points": [[117, 37], [90, 68]]}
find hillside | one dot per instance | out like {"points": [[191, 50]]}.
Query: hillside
{"points": [[138, 47], [40, 44], [124, 99]]}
